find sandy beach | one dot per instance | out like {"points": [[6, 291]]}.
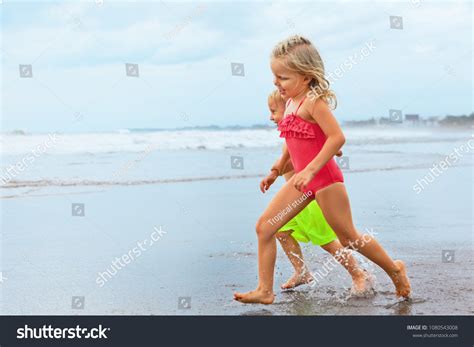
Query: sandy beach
{"points": [[189, 245]]}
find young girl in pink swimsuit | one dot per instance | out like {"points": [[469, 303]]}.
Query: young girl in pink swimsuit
{"points": [[313, 137]]}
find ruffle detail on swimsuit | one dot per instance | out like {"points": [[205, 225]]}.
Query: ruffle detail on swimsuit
{"points": [[296, 127]]}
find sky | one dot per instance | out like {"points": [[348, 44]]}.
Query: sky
{"points": [[419, 63]]}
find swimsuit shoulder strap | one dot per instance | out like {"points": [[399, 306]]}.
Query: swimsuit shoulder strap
{"points": [[301, 103], [287, 103]]}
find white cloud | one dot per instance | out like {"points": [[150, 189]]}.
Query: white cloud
{"points": [[184, 59]]}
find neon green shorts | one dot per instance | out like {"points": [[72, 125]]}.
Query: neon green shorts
{"points": [[310, 225]]}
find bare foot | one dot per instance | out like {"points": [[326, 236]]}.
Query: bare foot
{"points": [[297, 279], [400, 280], [362, 284], [255, 297]]}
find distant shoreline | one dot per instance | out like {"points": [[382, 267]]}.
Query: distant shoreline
{"points": [[462, 121], [449, 122]]}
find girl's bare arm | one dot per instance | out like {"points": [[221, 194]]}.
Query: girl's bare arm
{"points": [[321, 113], [281, 163]]}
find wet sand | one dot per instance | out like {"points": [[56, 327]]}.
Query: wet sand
{"points": [[207, 248]]}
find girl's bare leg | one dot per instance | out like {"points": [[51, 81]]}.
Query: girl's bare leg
{"points": [[361, 280], [292, 249], [335, 205], [266, 227]]}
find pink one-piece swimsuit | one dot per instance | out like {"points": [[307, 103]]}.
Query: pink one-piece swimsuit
{"points": [[304, 140]]}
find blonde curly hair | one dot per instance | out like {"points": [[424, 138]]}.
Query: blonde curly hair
{"points": [[299, 55], [276, 97]]}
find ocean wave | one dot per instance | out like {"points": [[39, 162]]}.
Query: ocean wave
{"points": [[77, 183], [123, 131], [14, 184], [123, 141]]}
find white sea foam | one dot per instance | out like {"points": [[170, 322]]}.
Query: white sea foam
{"points": [[131, 141]]}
